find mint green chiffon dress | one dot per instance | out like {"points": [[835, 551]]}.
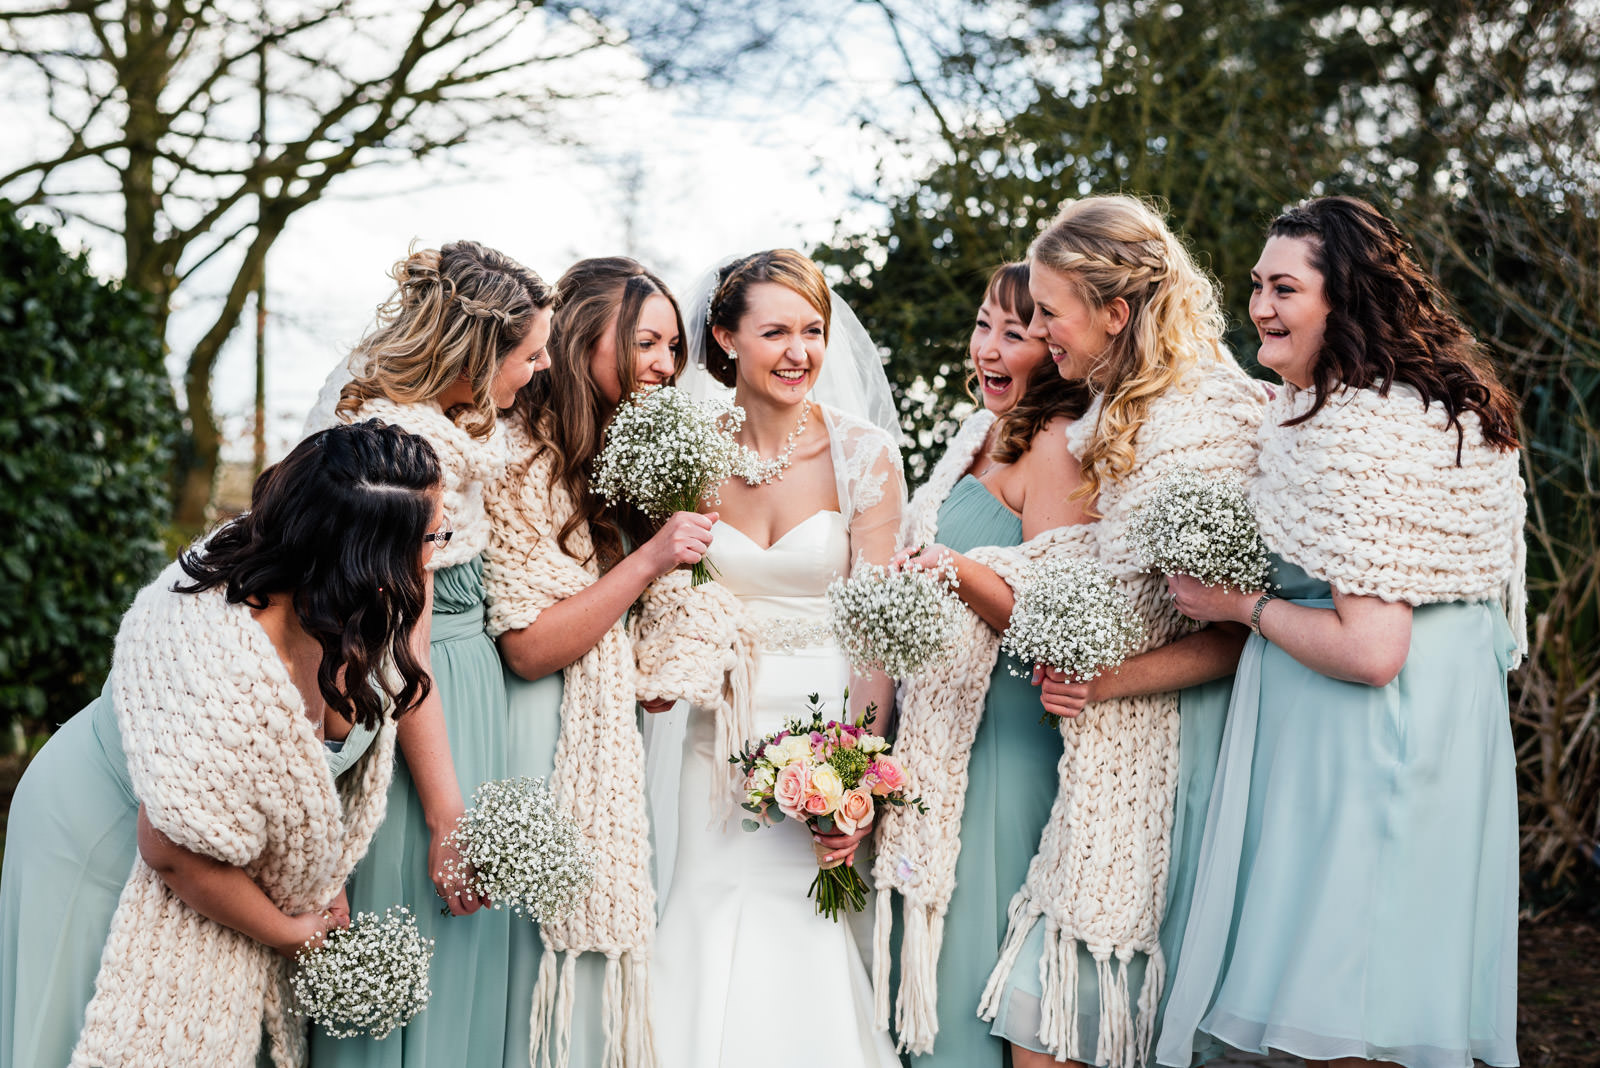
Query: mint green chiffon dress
{"points": [[1357, 889], [1011, 785], [465, 1021], [70, 847]]}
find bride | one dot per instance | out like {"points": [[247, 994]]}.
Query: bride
{"points": [[740, 945]]}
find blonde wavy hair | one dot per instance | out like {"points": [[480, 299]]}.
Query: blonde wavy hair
{"points": [[456, 311], [1119, 246]]}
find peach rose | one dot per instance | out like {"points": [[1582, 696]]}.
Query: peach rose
{"points": [[891, 776], [816, 805], [794, 782], [855, 811]]}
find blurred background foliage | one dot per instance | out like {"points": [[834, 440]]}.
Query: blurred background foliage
{"points": [[87, 429]]}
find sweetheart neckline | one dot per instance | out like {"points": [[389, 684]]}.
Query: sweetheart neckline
{"points": [[779, 540]]}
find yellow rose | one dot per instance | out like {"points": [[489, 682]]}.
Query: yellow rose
{"points": [[825, 783]]}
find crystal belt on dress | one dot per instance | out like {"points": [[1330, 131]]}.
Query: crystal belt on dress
{"points": [[786, 634]]}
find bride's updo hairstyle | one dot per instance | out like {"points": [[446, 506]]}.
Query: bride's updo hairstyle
{"points": [[1388, 322], [1046, 394], [338, 523], [731, 296], [563, 409], [1119, 246], [456, 311]]}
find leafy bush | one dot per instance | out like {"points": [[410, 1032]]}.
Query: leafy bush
{"points": [[87, 425]]}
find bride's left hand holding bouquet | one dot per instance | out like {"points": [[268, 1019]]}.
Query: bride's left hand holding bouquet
{"points": [[665, 452]]}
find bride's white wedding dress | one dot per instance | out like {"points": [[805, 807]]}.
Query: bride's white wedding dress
{"points": [[744, 970]]}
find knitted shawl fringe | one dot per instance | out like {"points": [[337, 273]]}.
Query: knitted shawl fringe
{"points": [[468, 465], [599, 759], [1368, 497], [226, 764], [1099, 879]]}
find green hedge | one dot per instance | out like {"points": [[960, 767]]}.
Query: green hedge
{"points": [[87, 426]]}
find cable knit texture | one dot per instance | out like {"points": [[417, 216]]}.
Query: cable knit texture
{"points": [[226, 763], [467, 463], [1368, 497], [1100, 876], [599, 758]]}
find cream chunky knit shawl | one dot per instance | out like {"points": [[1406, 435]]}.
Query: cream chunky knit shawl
{"points": [[226, 764], [467, 464], [1368, 497], [1099, 879], [599, 759]]}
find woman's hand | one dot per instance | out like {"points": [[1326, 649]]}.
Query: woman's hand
{"points": [[925, 558], [1059, 693], [1210, 604], [449, 870], [843, 846], [682, 539], [306, 931]]}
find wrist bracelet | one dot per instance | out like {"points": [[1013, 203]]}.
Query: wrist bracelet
{"points": [[1255, 616]]}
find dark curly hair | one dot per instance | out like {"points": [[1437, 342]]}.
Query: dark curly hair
{"points": [[1388, 322], [1046, 394], [338, 524]]}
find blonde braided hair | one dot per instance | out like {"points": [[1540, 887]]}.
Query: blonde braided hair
{"points": [[456, 311], [1119, 247]]}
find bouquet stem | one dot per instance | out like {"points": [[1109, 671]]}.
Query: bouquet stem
{"points": [[837, 886]]}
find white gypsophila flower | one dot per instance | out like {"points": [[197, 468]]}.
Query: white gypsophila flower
{"points": [[900, 622], [368, 978], [1070, 615], [1201, 525], [665, 452], [525, 852]]}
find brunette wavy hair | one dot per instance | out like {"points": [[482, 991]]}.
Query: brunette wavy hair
{"points": [[456, 311], [563, 409], [1388, 321], [1045, 395], [338, 525]]}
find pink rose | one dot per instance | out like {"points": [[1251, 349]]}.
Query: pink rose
{"points": [[794, 782], [891, 776], [855, 811], [816, 805]]}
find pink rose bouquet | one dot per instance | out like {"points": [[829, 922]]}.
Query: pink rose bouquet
{"points": [[832, 776]]}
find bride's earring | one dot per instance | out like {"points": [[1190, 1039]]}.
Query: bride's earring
{"points": [[732, 355]]}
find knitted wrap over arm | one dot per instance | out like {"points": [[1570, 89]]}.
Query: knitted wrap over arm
{"points": [[1368, 497], [226, 764], [1100, 877], [917, 852], [599, 767], [467, 464], [696, 644]]}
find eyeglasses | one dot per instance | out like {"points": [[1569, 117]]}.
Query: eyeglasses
{"points": [[441, 538]]}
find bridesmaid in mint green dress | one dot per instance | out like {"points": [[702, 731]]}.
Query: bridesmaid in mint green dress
{"points": [[1357, 891], [466, 329], [73, 833], [617, 328], [1013, 481]]}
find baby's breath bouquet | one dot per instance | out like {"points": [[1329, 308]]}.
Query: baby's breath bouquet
{"points": [[368, 978], [522, 851], [1200, 525], [1071, 616], [665, 452], [897, 621]]}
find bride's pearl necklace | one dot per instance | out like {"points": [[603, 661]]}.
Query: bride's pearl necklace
{"points": [[761, 471]]}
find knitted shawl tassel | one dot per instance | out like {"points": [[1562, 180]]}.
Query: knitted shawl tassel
{"points": [[1367, 496], [226, 764], [940, 711], [1099, 879], [599, 759]]}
